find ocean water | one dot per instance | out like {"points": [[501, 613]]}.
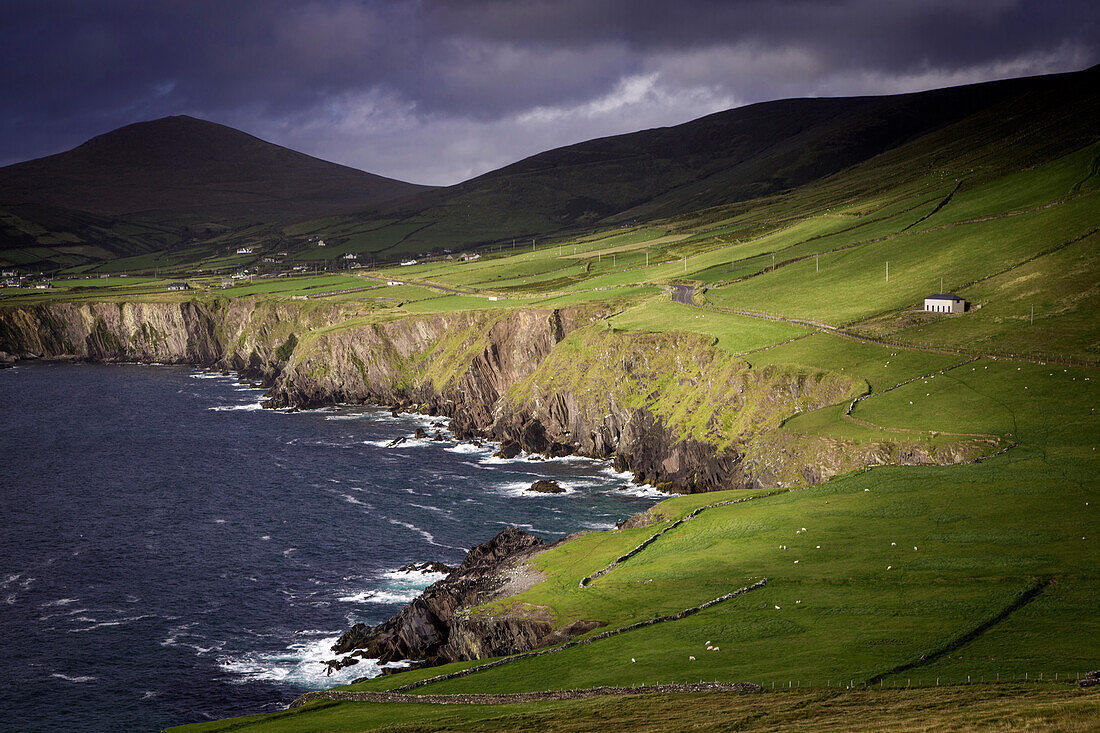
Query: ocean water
{"points": [[172, 553]]}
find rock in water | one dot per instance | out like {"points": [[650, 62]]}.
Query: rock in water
{"points": [[420, 434], [396, 442], [547, 486], [426, 567]]}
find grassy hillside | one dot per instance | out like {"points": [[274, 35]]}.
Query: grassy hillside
{"points": [[897, 575], [159, 185]]}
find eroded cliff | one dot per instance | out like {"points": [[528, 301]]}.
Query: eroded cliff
{"points": [[671, 408]]}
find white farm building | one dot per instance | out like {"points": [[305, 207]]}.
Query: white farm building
{"points": [[944, 303]]}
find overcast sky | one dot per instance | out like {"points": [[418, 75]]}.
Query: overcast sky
{"points": [[437, 91]]}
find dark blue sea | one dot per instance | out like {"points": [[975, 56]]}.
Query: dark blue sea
{"points": [[172, 553]]}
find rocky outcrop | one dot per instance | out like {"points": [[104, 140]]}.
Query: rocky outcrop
{"points": [[434, 628]]}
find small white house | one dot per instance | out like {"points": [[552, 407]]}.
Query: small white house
{"points": [[178, 286], [244, 250], [320, 243], [944, 303], [391, 283], [351, 256], [406, 263], [471, 256]]}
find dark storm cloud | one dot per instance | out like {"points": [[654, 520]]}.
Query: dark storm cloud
{"points": [[438, 90]]}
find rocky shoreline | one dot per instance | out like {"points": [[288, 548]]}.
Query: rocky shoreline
{"points": [[554, 382]]}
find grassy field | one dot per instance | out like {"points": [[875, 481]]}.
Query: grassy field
{"points": [[1003, 707], [893, 576]]}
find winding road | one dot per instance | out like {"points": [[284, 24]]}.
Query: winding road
{"points": [[684, 294]]}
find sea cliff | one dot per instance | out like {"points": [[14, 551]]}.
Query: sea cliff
{"points": [[673, 409]]}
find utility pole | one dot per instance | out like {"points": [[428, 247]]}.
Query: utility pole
{"points": [[685, 263], [532, 244], [817, 262], [647, 259], [941, 283], [773, 260], [887, 270], [1032, 314]]}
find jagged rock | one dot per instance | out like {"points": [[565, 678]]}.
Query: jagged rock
{"points": [[547, 486], [420, 434], [426, 567], [396, 442], [438, 437], [509, 449], [423, 629]]}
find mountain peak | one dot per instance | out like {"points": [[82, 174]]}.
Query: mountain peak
{"points": [[182, 162]]}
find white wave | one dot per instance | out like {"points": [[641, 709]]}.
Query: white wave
{"points": [[96, 624], [211, 375], [249, 407], [301, 664], [384, 597], [77, 679], [266, 538], [598, 525], [412, 527], [643, 491], [352, 500], [625, 476], [287, 551], [467, 448], [497, 460], [416, 578], [148, 694], [430, 508], [59, 602], [219, 521], [523, 489], [407, 443]]}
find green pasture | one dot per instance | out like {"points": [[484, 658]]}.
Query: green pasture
{"points": [[1006, 707], [735, 334]]}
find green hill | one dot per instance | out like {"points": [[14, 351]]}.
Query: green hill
{"points": [[932, 529], [738, 155], [162, 184]]}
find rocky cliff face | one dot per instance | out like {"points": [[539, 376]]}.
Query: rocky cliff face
{"points": [[433, 627], [672, 409]]}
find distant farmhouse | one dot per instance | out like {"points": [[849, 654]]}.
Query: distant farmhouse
{"points": [[244, 250], [944, 303], [178, 286]]}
